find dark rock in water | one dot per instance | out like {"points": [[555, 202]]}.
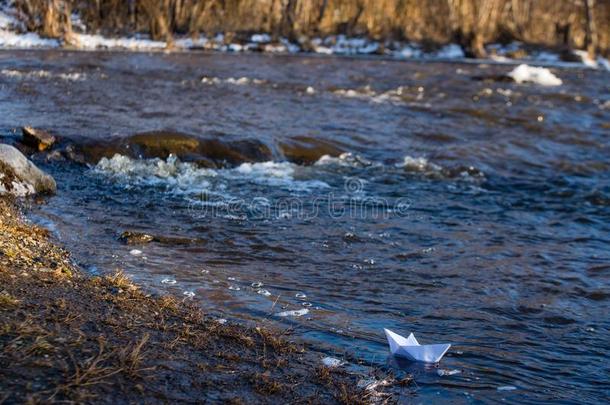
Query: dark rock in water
{"points": [[235, 152], [37, 138], [140, 238], [161, 144], [136, 238], [307, 150], [494, 78], [461, 171], [55, 156], [145, 145], [568, 55], [20, 177], [71, 153], [210, 153]]}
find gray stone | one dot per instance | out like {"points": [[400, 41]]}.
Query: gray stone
{"points": [[20, 177]]}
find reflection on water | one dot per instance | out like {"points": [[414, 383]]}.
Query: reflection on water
{"points": [[398, 195]]}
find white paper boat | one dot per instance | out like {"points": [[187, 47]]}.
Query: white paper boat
{"points": [[412, 350]]}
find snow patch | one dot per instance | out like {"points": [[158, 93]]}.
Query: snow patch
{"points": [[88, 41], [451, 51], [537, 75]]}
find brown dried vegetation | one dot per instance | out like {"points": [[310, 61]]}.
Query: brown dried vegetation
{"points": [[65, 337], [580, 23]]}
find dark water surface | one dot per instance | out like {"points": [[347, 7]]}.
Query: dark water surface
{"points": [[469, 212]]}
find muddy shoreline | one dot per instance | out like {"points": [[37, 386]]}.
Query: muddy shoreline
{"points": [[66, 336]]}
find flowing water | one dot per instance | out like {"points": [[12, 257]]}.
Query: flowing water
{"points": [[346, 196]]}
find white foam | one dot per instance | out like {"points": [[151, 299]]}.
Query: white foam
{"points": [[171, 172], [281, 170], [419, 164], [295, 313], [332, 362], [366, 93], [41, 74], [241, 81], [537, 75], [279, 174], [346, 159], [187, 178]]}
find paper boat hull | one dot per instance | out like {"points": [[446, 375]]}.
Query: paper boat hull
{"points": [[410, 348], [424, 353]]}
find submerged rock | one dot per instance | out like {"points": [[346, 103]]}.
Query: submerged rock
{"points": [[307, 150], [501, 78], [37, 138], [189, 148], [161, 144], [141, 238], [20, 177], [136, 238]]}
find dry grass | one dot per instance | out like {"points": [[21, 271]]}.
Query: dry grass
{"points": [[7, 301], [577, 23]]}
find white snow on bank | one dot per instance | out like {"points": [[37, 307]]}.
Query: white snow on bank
{"points": [[87, 41], [451, 51], [599, 63], [537, 75], [13, 35], [11, 38], [342, 45], [29, 40]]}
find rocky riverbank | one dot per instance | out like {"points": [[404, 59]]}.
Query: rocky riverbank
{"points": [[67, 336]]}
